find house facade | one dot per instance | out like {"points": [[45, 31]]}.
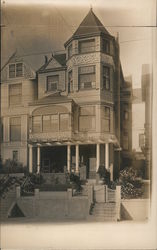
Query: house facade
{"points": [[66, 114]]}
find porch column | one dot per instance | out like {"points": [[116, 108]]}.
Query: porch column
{"points": [[38, 159], [97, 156], [68, 158], [107, 156], [30, 158], [77, 158]]}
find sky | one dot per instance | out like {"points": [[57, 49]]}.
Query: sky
{"points": [[34, 27]]}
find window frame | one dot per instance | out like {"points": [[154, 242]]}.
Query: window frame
{"points": [[15, 70], [106, 49], [106, 77], [55, 82], [87, 116], [106, 118], [15, 95], [70, 82], [86, 42], [11, 126], [87, 74]]}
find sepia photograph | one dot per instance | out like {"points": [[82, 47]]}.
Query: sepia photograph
{"points": [[77, 119]]}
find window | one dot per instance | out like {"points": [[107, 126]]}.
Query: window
{"points": [[15, 70], [54, 123], [70, 51], [52, 83], [15, 94], [15, 129], [36, 124], [15, 155], [70, 81], [87, 77], [105, 119], [87, 46], [106, 78], [64, 122], [87, 119], [46, 123], [106, 46]]}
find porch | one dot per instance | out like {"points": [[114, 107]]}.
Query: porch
{"points": [[64, 157]]}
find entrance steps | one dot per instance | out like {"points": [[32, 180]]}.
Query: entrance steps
{"points": [[103, 212]]}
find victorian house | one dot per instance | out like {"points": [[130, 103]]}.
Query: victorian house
{"points": [[69, 112]]}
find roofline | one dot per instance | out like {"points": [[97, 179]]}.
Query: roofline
{"points": [[52, 70], [99, 33], [60, 101]]}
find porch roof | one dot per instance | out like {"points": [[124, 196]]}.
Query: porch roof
{"points": [[75, 141]]}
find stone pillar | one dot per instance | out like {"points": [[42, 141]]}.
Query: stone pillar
{"points": [[107, 156], [97, 156], [68, 158], [111, 172], [118, 201], [38, 159], [30, 158], [77, 158]]}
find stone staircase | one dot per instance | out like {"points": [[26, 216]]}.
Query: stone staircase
{"points": [[103, 211], [6, 202]]}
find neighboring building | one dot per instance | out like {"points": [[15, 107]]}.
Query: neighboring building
{"points": [[67, 113], [147, 98], [138, 121]]}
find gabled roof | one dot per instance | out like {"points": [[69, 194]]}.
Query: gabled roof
{"points": [[90, 24], [59, 58]]}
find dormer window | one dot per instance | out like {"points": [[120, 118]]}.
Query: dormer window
{"points": [[52, 82], [15, 70], [87, 46], [106, 46]]}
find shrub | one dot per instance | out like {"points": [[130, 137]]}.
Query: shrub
{"points": [[104, 174], [11, 166], [131, 185], [75, 179]]}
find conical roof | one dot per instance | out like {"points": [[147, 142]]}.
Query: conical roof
{"points": [[90, 24]]}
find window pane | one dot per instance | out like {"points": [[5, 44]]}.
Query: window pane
{"points": [[46, 123], [54, 123], [15, 94], [105, 125], [12, 70], [36, 124], [70, 81], [15, 129], [64, 122], [19, 70], [86, 123], [52, 83], [106, 77], [87, 46], [106, 46]]}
